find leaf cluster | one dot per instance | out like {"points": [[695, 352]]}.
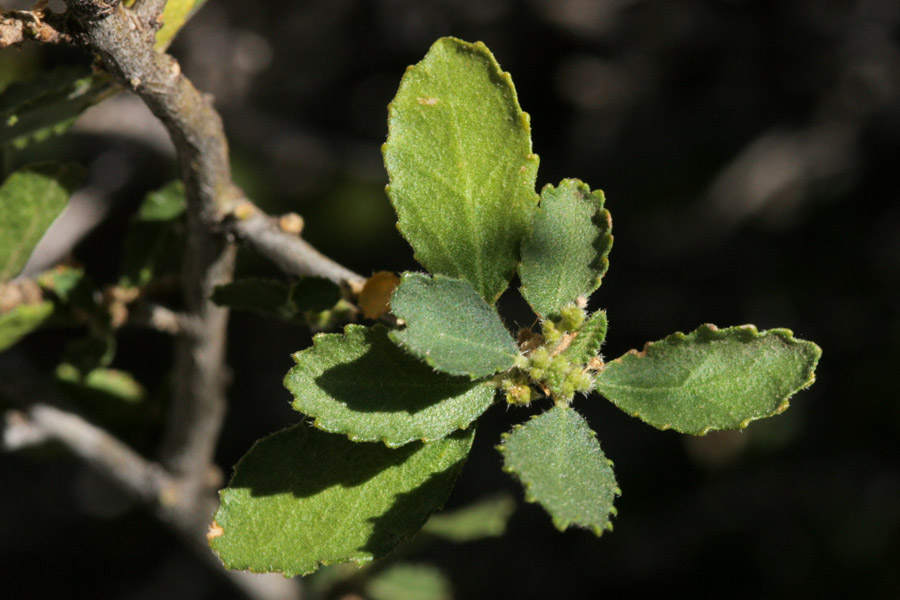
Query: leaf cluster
{"points": [[393, 409]]}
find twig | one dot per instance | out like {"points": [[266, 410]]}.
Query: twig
{"points": [[290, 252], [18, 26], [125, 40], [41, 418], [41, 423], [160, 318]]}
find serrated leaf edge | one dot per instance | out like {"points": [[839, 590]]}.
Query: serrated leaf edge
{"points": [[525, 119], [678, 338], [598, 199], [322, 425], [215, 528], [560, 524], [428, 359]]}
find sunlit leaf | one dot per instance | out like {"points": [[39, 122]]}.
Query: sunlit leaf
{"points": [[565, 256], [710, 378], [461, 168], [361, 384], [30, 199], [33, 111], [449, 326], [302, 498], [557, 458]]}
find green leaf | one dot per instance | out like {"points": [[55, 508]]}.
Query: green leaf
{"points": [[266, 297], [461, 170], [451, 327], [30, 199], [314, 294], [156, 239], [48, 105], [110, 397], [405, 581], [566, 255], [485, 518], [21, 320], [302, 498], [360, 384], [589, 339], [559, 461], [711, 378], [109, 385], [175, 15]]}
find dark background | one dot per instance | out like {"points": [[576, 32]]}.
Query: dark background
{"points": [[749, 154]]}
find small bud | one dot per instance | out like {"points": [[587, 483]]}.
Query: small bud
{"points": [[540, 358], [291, 223], [551, 334], [519, 395], [571, 318], [581, 380]]}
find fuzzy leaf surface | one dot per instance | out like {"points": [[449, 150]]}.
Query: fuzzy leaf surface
{"points": [[461, 169], [587, 343], [302, 498], [21, 320], [710, 378], [33, 111], [361, 384], [30, 199], [566, 254], [558, 459], [449, 326]]}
